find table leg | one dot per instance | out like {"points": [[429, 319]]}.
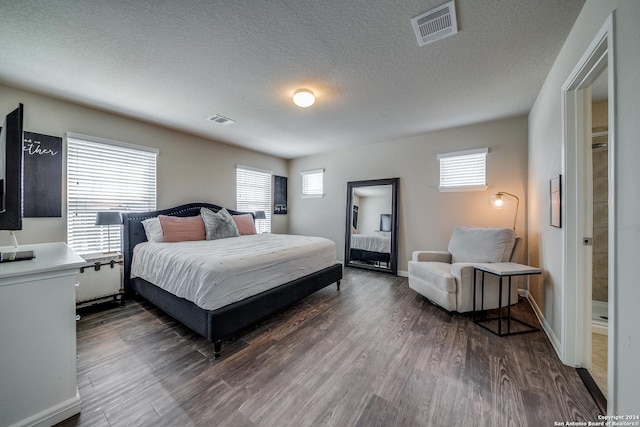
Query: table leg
{"points": [[500, 307], [473, 312], [509, 309], [482, 292]]}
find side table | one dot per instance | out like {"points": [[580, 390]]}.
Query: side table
{"points": [[501, 270]]}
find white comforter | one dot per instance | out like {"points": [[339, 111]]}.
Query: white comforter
{"points": [[372, 242], [215, 273]]}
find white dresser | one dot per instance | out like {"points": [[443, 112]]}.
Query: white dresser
{"points": [[38, 336]]}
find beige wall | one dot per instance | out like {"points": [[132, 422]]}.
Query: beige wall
{"points": [[189, 168], [545, 161], [426, 215], [369, 214]]}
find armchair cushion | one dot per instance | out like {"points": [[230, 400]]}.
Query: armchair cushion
{"points": [[438, 274], [480, 244]]}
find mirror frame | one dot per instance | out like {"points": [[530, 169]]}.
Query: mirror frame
{"points": [[393, 261]]}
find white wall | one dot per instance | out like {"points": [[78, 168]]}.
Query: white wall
{"points": [[370, 210], [426, 216], [190, 169], [545, 161]]}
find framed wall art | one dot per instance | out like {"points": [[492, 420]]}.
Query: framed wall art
{"points": [[555, 198], [42, 175], [280, 195]]}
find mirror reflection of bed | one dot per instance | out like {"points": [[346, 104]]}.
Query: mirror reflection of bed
{"points": [[371, 234]]}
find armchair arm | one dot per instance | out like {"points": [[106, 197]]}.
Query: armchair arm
{"points": [[462, 271], [431, 256]]}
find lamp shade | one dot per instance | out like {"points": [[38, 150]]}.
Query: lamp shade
{"points": [[260, 215], [500, 200], [108, 218]]}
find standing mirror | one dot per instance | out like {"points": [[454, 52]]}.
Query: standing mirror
{"points": [[371, 235]]}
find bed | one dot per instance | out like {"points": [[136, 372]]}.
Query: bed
{"points": [[371, 247], [218, 322]]}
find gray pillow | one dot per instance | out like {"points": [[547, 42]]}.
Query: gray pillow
{"points": [[218, 225]]}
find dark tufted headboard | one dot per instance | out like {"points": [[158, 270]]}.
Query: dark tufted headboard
{"points": [[133, 230]]}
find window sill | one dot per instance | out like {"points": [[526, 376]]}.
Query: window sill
{"points": [[463, 188]]}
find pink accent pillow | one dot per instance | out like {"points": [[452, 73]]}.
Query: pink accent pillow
{"points": [[244, 223], [182, 229]]}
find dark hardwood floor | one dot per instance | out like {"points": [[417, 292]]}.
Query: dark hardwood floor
{"points": [[374, 353]]}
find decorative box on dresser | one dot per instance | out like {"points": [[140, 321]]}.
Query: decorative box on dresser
{"points": [[38, 336]]}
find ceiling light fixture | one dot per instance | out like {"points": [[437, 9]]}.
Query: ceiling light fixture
{"points": [[304, 98]]}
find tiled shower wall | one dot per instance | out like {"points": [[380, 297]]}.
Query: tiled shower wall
{"points": [[600, 205]]}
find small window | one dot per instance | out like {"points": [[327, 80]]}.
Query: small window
{"points": [[463, 170], [253, 194], [313, 183]]}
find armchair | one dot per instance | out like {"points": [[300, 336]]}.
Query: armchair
{"points": [[446, 277]]}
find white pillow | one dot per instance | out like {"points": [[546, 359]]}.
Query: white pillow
{"points": [[153, 230]]}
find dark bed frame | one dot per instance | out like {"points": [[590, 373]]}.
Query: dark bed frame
{"points": [[362, 255], [222, 323]]}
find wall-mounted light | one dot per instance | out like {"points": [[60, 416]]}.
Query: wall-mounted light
{"points": [[304, 98], [499, 201]]}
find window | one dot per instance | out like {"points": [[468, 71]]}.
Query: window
{"points": [[313, 183], [105, 175], [463, 170], [253, 193]]}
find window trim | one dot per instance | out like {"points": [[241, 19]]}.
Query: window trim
{"points": [[96, 139], [302, 189], [461, 187]]}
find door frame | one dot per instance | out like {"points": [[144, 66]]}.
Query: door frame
{"points": [[576, 108]]}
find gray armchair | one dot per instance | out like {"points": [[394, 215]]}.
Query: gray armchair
{"points": [[446, 277]]}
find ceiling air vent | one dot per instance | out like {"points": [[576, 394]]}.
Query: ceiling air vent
{"points": [[221, 120], [436, 24]]}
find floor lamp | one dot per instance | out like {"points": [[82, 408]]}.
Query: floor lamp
{"points": [[498, 201]]}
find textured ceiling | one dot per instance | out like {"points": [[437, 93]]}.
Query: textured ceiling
{"points": [[175, 63]]}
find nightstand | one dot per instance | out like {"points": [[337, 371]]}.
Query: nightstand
{"points": [[100, 279]]}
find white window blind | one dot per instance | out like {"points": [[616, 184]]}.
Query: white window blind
{"points": [[253, 193], [313, 183], [105, 175], [463, 170]]}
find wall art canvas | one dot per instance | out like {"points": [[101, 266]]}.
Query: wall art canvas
{"points": [[42, 175], [555, 193], [280, 195]]}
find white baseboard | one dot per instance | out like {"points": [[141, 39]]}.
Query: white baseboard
{"points": [[546, 327], [55, 414], [599, 328]]}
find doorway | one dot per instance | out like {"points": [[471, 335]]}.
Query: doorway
{"points": [[584, 86], [598, 180]]}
